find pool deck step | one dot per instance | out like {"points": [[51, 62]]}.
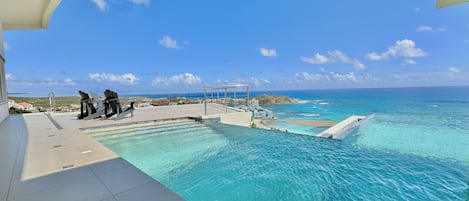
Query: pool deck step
{"points": [[343, 128]]}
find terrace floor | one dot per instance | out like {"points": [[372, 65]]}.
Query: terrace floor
{"points": [[39, 161]]}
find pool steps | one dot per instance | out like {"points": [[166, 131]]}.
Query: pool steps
{"points": [[135, 125], [144, 129], [141, 131], [341, 130], [152, 132]]}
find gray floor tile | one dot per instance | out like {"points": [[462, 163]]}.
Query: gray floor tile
{"points": [[148, 192], [6, 163], [90, 189], [109, 199], [131, 175], [109, 165], [4, 183], [21, 188]]}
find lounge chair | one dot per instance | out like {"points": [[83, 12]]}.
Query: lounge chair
{"points": [[100, 110], [86, 105], [112, 102]]}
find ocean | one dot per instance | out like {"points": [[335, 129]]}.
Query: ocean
{"points": [[427, 121]]}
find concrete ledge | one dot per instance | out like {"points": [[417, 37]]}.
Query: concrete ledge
{"points": [[343, 128], [237, 119]]}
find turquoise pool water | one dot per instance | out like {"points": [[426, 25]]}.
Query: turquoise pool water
{"points": [[209, 161]]}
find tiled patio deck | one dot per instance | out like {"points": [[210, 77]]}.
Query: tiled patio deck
{"points": [[41, 162]]}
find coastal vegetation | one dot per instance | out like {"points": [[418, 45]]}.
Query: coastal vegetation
{"points": [[43, 102], [72, 103], [273, 100]]}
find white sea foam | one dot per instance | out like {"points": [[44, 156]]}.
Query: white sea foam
{"points": [[310, 115], [433, 105], [302, 101], [324, 103]]}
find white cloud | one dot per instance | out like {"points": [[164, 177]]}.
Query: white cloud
{"points": [[102, 4], [333, 57], [330, 77], [168, 42], [126, 79], [424, 28], [454, 70], [403, 48], [344, 77], [185, 78], [429, 28], [409, 62], [144, 2], [69, 82], [254, 81], [304, 76], [251, 81], [6, 46], [345, 59], [268, 52], [317, 59], [54, 82], [10, 76], [15, 81]]}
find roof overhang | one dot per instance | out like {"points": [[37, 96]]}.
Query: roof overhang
{"points": [[446, 3], [26, 14]]}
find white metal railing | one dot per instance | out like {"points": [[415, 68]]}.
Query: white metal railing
{"points": [[225, 93], [51, 102]]}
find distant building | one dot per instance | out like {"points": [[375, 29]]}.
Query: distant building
{"points": [[23, 106], [254, 103], [11, 103], [258, 112]]}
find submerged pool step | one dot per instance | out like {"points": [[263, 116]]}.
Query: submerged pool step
{"points": [[137, 125], [145, 129], [201, 135], [142, 133], [148, 130], [154, 132], [117, 130]]}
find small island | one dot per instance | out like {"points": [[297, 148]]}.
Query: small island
{"points": [[273, 100]]}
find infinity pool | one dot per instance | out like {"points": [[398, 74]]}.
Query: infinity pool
{"points": [[211, 161]]}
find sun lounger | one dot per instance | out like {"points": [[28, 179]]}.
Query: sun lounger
{"points": [[112, 102], [100, 110], [86, 105]]}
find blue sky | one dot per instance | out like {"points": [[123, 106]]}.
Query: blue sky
{"points": [[150, 46]]}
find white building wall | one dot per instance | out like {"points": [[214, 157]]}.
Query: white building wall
{"points": [[3, 88]]}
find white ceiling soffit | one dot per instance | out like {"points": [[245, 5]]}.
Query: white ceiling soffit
{"points": [[26, 14], [446, 3]]}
